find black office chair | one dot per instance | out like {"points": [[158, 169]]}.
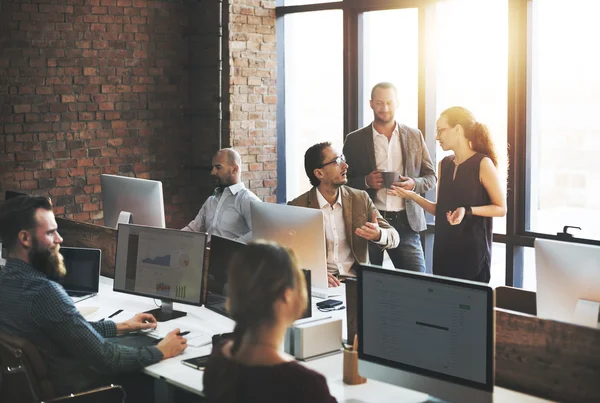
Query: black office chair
{"points": [[516, 299], [24, 378]]}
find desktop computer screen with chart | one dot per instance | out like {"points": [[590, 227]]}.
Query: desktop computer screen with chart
{"points": [[160, 263]]}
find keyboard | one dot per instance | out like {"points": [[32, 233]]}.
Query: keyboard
{"points": [[195, 338], [323, 292]]}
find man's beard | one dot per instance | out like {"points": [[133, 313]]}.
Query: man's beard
{"points": [[223, 183], [47, 261], [379, 120]]}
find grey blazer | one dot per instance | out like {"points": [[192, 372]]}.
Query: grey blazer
{"points": [[360, 155]]}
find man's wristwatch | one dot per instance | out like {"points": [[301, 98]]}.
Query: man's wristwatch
{"points": [[468, 211]]}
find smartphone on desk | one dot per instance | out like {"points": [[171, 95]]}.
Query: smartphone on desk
{"points": [[198, 363], [328, 303]]}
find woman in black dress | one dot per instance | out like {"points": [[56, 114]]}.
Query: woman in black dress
{"points": [[469, 194]]}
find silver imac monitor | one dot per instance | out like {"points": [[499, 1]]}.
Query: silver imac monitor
{"points": [[568, 281], [160, 263], [132, 200], [428, 333], [300, 229]]}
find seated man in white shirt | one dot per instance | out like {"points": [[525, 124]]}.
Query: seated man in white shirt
{"points": [[227, 212], [351, 219]]}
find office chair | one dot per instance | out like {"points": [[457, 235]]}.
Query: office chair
{"points": [[24, 378], [516, 299]]}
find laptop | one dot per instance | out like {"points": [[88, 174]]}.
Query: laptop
{"points": [[83, 272]]}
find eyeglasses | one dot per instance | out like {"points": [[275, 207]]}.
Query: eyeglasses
{"points": [[338, 161]]}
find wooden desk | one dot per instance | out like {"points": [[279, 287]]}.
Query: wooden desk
{"points": [[179, 375]]}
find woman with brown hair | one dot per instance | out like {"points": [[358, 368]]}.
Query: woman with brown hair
{"points": [[469, 194], [267, 293]]}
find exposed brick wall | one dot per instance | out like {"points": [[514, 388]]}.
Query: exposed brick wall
{"points": [[253, 89], [130, 87], [90, 87]]}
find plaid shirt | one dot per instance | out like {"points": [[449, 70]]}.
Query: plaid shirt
{"points": [[76, 351]]}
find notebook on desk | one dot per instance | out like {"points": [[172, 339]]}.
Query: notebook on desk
{"points": [[83, 272]]}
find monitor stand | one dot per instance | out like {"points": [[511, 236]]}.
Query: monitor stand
{"points": [[166, 312], [125, 217]]}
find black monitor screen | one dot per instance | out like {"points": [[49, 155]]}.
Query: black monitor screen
{"points": [[221, 252], [83, 269]]}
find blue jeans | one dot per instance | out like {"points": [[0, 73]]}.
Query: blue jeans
{"points": [[409, 253]]}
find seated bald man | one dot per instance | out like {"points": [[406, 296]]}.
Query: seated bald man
{"points": [[227, 212]]}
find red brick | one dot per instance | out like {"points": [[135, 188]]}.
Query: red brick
{"points": [[107, 106]]}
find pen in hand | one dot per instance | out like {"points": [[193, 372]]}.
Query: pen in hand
{"points": [[183, 333], [113, 314]]}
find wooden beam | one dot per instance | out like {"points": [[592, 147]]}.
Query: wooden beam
{"points": [[84, 235], [549, 359]]}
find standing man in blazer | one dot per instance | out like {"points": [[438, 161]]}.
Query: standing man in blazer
{"points": [[386, 145], [351, 220]]}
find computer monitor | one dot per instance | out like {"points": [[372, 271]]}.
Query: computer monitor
{"points": [[428, 333], [568, 281], [221, 252], [298, 228], [132, 200], [160, 263]]}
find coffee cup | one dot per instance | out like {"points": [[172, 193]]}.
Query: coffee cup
{"points": [[389, 177]]}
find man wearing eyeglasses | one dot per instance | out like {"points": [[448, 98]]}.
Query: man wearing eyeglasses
{"points": [[227, 212], [387, 149], [351, 220]]}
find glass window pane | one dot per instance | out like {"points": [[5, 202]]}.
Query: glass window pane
{"points": [[391, 53], [313, 89], [565, 130], [472, 69], [498, 269], [529, 277]]}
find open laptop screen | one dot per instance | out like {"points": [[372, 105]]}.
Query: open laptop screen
{"points": [[429, 325], [83, 269]]}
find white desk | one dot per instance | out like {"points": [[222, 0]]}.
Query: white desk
{"points": [[177, 374]]}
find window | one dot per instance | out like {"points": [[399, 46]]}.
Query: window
{"points": [[472, 69], [391, 53], [314, 110], [564, 174]]}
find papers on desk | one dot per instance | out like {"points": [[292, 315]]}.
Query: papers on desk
{"points": [[104, 313], [196, 337]]}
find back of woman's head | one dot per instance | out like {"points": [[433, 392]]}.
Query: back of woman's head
{"points": [[258, 276], [477, 133]]}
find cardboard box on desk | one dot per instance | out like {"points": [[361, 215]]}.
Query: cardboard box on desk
{"points": [[311, 338]]}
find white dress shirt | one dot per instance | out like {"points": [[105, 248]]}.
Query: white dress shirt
{"points": [[339, 254], [388, 156], [226, 214]]}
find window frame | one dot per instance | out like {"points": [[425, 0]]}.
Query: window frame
{"points": [[519, 137]]}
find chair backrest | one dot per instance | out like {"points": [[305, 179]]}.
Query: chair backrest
{"points": [[24, 372], [516, 299]]}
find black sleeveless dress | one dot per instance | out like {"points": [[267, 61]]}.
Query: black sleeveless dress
{"points": [[464, 250]]}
